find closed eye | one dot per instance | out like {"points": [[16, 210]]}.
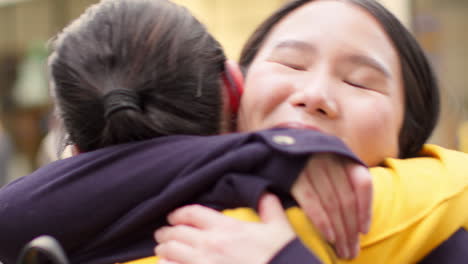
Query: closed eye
{"points": [[296, 67], [355, 85]]}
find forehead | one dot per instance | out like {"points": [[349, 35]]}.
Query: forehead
{"points": [[330, 23]]}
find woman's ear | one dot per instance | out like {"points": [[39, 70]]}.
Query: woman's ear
{"points": [[234, 84], [236, 74], [74, 150]]}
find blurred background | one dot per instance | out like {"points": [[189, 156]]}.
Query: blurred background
{"points": [[26, 26]]}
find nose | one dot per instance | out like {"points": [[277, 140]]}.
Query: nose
{"points": [[316, 97]]}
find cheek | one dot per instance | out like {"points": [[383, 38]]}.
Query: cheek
{"points": [[376, 131], [264, 92]]}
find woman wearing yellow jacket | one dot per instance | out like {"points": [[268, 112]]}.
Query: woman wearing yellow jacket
{"points": [[298, 58]]}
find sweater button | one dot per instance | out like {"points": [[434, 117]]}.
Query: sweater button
{"points": [[284, 140]]}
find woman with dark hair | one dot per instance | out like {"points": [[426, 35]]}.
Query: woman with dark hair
{"points": [[121, 80], [421, 92], [138, 82], [113, 62], [361, 76]]}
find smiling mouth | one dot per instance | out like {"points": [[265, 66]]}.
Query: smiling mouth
{"points": [[297, 125]]}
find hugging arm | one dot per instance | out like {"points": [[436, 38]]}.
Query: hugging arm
{"points": [[416, 215], [242, 190], [333, 187], [119, 189]]}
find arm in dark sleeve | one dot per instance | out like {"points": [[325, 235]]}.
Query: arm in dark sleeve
{"points": [[288, 152], [117, 196], [94, 194], [114, 198], [290, 155]]}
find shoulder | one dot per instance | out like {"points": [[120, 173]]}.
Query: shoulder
{"points": [[436, 165], [422, 193], [451, 159]]}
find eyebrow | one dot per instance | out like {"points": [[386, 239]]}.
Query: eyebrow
{"points": [[295, 44], [370, 62], [356, 59]]}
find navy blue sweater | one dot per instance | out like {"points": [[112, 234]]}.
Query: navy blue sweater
{"points": [[103, 206]]}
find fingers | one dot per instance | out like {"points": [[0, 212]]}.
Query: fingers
{"points": [[361, 181], [330, 199], [274, 219], [329, 195], [348, 209], [164, 261], [319, 177], [271, 210], [184, 234], [305, 194], [175, 252], [197, 216]]}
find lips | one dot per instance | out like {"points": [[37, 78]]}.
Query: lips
{"points": [[297, 125]]}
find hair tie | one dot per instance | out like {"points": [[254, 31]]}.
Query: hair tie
{"points": [[121, 99]]}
